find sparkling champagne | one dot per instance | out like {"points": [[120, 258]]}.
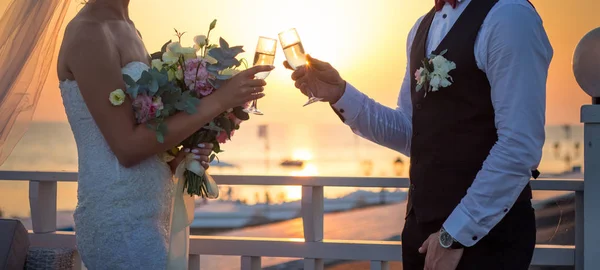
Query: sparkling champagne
{"points": [[295, 55], [263, 59]]}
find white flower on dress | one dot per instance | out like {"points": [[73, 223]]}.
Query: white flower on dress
{"points": [[434, 74]]}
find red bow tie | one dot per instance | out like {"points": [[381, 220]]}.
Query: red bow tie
{"points": [[439, 4]]}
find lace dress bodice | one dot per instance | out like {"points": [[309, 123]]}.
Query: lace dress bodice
{"points": [[122, 215]]}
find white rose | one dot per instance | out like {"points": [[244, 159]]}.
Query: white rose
{"points": [[188, 53], [170, 57], [174, 47], [200, 40], [445, 82], [435, 82], [158, 64]]}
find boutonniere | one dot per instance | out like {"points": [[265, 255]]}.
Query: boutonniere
{"points": [[433, 75]]}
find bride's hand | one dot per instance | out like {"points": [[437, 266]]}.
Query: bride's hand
{"points": [[201, 153], [242, 88]]}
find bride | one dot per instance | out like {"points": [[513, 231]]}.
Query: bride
{"points": [[124, 194]]}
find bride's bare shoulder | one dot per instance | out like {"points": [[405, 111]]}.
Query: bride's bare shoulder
{"points": [[86, 30], [85, 39]]}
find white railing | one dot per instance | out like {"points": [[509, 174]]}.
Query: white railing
{"points": [[313, 248]]}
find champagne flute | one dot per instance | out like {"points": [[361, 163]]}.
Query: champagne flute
{"points": [[294, 53], [264, 55]]}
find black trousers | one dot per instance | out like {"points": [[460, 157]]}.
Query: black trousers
{"points": [[508, 246]]}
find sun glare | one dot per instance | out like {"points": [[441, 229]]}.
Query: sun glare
{"points": [[308, 170], [293, 193], [302, 154]]}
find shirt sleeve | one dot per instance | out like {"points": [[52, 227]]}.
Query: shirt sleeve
{"points": [[516, 59], [373, 121]]}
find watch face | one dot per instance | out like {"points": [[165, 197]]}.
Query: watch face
{"points": [[446, 239]]}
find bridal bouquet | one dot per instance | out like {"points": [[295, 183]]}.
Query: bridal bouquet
{"points": [[179, 77]]}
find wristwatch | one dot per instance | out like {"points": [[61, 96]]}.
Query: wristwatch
{"points": [[447, 241]]}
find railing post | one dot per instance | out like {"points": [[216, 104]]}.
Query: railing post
{"points": [[579, 235], [194, 262], [42, 202], [590, 116], [251, 263], [380, 265], [312, 220]]}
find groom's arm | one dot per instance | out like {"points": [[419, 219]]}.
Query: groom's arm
{"points": [[380, 124], [516, 62], [373, 121]]}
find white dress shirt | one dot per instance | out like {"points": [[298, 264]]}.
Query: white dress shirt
{"points": [[512, 48]]}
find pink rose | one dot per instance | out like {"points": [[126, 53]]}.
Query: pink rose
{"points": [[417, 74], [222, 137], [236, 120], [143, 108], [196, 77]]}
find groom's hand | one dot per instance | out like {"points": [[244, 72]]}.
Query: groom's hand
{"points": [[439, 258], [320, 78]]}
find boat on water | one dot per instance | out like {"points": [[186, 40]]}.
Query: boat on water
{"points": [[292, 163]]}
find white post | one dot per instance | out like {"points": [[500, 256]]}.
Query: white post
{"points": [[579, 234], [314, 264], [42, 202], [194, 262], [380, 265], [312, 221], [251, 263], [590, 116]]}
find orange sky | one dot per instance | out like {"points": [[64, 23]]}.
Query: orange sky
{"points": [[365, 40]]}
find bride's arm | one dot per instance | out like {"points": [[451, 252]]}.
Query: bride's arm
{"points": [[95, 63]]}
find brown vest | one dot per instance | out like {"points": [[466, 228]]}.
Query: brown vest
{"points": [[453, 128]]}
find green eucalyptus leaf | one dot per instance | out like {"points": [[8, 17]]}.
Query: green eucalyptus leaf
{"points": [[190, 109], [128, 80], [146, 78], [163, 49], [223, 77], [153, 87], [133, 90], [216, 147], [156, 56], [160, 137]]}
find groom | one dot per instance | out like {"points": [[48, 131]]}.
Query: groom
{"points": [[474, 144]]}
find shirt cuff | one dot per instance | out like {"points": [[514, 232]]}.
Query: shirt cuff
{"points": [[348, 107], [463, 229]]}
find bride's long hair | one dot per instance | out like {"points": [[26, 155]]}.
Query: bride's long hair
{"points": [[29, 30]]}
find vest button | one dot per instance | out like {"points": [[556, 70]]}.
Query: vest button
{"points": [[474, 238], [418, 106], [342, 111]]}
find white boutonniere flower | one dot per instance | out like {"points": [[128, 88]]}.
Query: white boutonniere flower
{"points": [[434, 74]]}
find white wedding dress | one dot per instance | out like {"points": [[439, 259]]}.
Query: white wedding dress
{"points": [[123, 216]]}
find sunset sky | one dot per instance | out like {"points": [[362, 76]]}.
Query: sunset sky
{"points": [[365, 40]]}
